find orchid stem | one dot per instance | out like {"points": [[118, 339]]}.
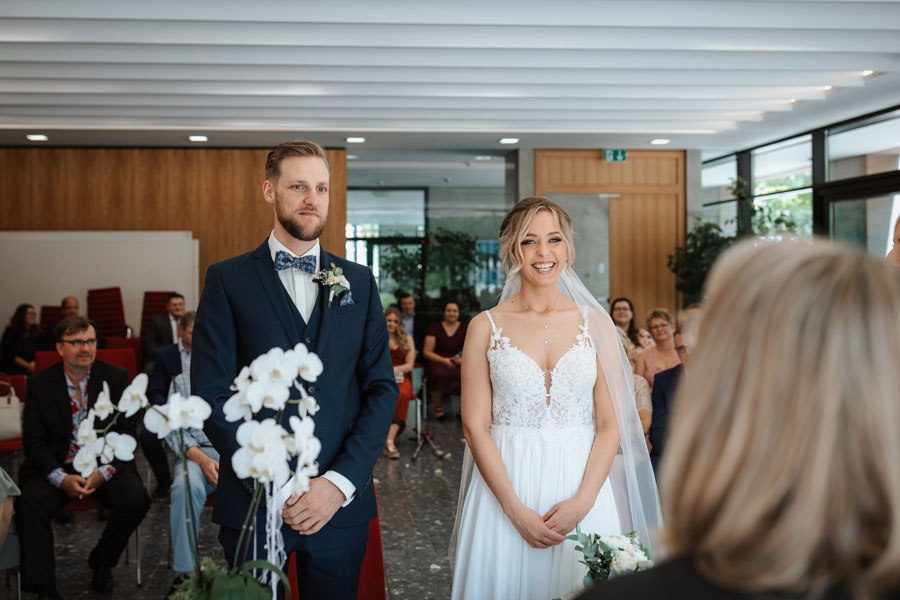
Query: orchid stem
{"points": [[244, 538]]}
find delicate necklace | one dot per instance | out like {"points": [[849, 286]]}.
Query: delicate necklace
{"points": [[547, 324]]}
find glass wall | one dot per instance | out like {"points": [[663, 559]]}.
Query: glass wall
{"points": [[864, 148], [719, 203], [782, 187], [867, 223]]}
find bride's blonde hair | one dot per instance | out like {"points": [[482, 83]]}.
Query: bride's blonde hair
{"points": [[518, 221], [782, 469]]}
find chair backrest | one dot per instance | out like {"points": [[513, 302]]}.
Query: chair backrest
{"points": [[105, 308], [19, 383], [121, 357], [154, 304], [45, 358], [123, 342], [50, 315]]}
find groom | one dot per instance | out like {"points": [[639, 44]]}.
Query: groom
{"points": [[266, 298]]}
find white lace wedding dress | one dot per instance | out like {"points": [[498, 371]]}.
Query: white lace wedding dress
{"points": [[544, 440]]}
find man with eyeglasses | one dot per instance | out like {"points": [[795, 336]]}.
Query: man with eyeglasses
{"points": [[58, 400]]}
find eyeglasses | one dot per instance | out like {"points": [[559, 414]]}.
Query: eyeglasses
{"points": [[659, 326], [80, 343], [621, 309]]}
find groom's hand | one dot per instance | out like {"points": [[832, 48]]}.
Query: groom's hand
{"points": [[309, 512]]}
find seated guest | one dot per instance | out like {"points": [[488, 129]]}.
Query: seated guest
{"points": [[47, 340], [171, 374], [58, 400], [622, 313], [662, 354], [169, 365], [403, 355], [781, 477], [162, 330], [641, 388], [8, 491], [443, 350], [20, 340], [414, 324]]}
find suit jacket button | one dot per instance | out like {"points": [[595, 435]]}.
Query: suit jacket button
{"points": [[312, 389], [308, 341]]}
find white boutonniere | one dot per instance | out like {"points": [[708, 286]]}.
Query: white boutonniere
{"points": [[336, 283]]}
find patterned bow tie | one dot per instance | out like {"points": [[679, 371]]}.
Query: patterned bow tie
{"points": [[283, 260]]}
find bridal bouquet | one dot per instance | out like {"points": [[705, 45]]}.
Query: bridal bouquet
{"points": [[266, 449], [608, 556]]}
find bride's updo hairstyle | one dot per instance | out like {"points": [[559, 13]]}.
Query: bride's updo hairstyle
{"points": [[782, 468], [518, 221]]}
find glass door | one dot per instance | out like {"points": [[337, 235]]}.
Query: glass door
{"points": [[867, 223]]}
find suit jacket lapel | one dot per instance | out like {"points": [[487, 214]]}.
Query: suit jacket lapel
{"points": [[61, 394], [95, 386], [327, 314], [274, 289]]}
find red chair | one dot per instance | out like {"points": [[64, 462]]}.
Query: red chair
{"points": [[121, 357], [50, 315], [154, 304], [371, 576], [45, 358], [18, 383], [124, 342], [104, 307]]}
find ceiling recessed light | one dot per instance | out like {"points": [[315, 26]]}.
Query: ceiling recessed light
{"points": [[352, 157], [483, 157], [198, 138], [826, 87], [37, 137], [793, 101], [866, 73], [660, 141], [509, 140], [356, 140]]}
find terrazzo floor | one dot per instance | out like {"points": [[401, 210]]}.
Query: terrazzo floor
{"points": [[417, 505]]}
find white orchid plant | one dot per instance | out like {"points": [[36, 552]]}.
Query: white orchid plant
{"points": [[266, 449]]}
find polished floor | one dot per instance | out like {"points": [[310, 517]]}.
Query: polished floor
{"points": [[417, 504]]}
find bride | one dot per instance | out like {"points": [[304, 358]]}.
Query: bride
{"points": [[551, 424]]}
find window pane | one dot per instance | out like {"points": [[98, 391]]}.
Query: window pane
{"points": [[717, 178], [385, 213], [864, 149], [783, 166], [867, 223], [724, 215], [785, 211]]}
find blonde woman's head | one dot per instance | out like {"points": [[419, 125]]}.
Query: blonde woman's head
{"points": [[517, 224], [782, 469], [396, 329]]}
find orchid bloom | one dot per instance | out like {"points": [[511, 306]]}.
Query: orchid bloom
{"points": [[134, 398], [309, 366], [85, 461], [103, 407], [263, 454], [86, 434], [156, 420], [187, 412], [269, 394], [274, 366]]}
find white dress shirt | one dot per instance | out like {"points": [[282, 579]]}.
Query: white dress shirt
{"points": [[173, 323], [304, 292]]}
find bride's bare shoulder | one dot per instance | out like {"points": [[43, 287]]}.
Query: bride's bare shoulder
{"points": [[508, 306]]}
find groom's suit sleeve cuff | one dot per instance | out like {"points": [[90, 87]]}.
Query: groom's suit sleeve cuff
{"points": [[343, 484]]}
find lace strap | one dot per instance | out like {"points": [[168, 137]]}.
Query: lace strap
{"points": [[585, 330], [491, 319], [497, 339]]}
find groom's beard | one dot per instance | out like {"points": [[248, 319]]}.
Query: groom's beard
{"points": [[305, 232]]}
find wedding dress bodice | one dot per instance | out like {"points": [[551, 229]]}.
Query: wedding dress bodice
{"points": [[519, 386]]}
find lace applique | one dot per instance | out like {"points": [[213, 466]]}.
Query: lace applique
{"points": [[519, 387]]}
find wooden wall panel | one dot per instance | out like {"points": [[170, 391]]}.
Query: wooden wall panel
{"points": [[646, 221], [216, 193]]}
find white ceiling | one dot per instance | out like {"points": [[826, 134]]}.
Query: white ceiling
{"points": [[456, 75]]}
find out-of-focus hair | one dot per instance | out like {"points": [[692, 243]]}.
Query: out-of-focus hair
{"points": [[782, 469], [187, 319], [72, 324], [633, 332], [400, 336], [288, 150], [660, 313], [518, 221]]}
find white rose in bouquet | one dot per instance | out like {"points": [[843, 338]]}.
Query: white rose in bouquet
{"points": [[623, 562]]}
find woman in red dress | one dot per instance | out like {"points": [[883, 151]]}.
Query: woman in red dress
{"points": [[403, 355], [443, 349]]}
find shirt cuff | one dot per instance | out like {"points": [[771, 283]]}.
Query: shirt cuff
{"points": [[343, 484], [56, 476], [107, 471]]}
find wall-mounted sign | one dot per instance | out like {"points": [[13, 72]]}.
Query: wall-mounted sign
{"points": [[614, 155]]}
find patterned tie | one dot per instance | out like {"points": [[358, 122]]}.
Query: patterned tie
{"points": [[283, 260]]}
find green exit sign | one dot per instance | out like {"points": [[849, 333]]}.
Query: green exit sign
{"points": [[614, 156]]}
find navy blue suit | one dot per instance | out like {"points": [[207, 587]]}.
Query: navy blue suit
{"points": [[166, 367], [665, 383], [245, 311]]}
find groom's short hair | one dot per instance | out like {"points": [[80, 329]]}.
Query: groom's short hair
{"points": [[289, 149]]}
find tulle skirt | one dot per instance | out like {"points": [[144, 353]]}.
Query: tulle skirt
{"points": [[545, 466]]}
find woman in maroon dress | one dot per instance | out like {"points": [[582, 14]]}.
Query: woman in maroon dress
{"points": [[403, 355], [443, 350]]}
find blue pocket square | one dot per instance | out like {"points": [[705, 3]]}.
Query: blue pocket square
{"points": [[346, 299]]}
